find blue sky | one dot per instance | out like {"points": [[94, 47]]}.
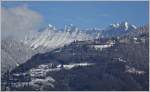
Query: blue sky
{"points": [[87, 14]]}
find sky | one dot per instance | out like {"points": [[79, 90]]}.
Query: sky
{"points": [[87, 14]]}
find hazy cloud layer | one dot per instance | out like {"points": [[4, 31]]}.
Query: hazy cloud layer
{"points": [[19, 21]]}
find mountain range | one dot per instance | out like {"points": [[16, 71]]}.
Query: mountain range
{"points": [[51, 38], [115, 50]]}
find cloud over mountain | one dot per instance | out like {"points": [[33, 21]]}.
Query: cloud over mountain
{"points": [[19, 21]]}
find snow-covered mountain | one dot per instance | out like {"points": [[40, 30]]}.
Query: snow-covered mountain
{"points": [[118, 29], [17, 51], [13, 53], [120, 63], [110, 57], [50, 38], [124, 26]]}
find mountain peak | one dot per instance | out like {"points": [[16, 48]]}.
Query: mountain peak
{"points": [[134, 26], [70, 28], [51, 27], [122, 26]]}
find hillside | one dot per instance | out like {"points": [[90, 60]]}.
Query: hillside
{"points": [[100, 64]]}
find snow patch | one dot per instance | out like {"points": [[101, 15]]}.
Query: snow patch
{"points": [[70, 66], [47, 81], [134, 26], [132, 70], [126, 26], [101, 47]]}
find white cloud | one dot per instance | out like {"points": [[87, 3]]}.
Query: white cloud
{"points": [[18, 21]]}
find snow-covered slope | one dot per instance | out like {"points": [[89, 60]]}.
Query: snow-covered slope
{"points": [[13, 54], [19, 50], [118, 29], [50, 38]]}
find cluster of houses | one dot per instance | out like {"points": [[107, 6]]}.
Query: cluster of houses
{"points": [[132, 70], [43, 69]]}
